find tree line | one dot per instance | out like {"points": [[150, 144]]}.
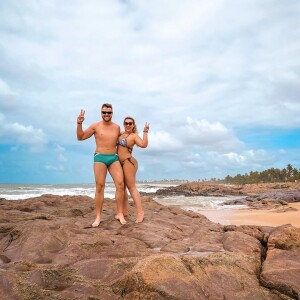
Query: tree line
{"points": [[288, 174]]}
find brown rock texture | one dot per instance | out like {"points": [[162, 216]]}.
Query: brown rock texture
{"points": [[49, 251], [281, 269]]}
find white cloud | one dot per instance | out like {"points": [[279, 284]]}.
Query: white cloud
{"points": [[162, 141], [5, 89], [25, 135], [59, 162], [8, 97], [60, 157], [178, 51], [208, 135], [194, 160], [249, 159], [59, 149], [200, 72], [234, 157], [213, 160], [35, 138], [59, 168]]}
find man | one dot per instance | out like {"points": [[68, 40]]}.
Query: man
{"points": [[106, 134]]}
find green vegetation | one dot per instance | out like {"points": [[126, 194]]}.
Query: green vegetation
{"points": [[288, 174]]}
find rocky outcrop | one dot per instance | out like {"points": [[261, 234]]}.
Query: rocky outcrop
{"points": [[49, 251], [256, 196], [269, 200], [212, 189], [201, 189]]}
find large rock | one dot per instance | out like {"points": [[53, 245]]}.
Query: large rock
{"points": [[215, 276], [49, 251], [281, 269]]}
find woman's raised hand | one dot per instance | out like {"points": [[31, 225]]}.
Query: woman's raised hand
{"points": [[146, 127]]}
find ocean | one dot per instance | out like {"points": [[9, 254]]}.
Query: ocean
{"points": [[195, 203]]}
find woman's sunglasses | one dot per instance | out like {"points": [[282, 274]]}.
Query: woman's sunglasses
{"points": [[128, 123]]}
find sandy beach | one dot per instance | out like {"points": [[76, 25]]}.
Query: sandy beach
{"points": [[255, 217]]}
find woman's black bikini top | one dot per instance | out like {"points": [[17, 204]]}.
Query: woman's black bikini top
{"points": [[123, 142]]}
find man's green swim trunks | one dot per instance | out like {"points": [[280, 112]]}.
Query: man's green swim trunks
{"points": [[107, 159]]}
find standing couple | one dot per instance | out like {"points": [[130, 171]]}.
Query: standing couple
{"points": [[113, 153]]}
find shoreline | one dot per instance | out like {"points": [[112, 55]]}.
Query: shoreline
{"points": [[246, 216]]}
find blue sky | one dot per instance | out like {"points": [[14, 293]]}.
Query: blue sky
{"points": [[218, 81]]}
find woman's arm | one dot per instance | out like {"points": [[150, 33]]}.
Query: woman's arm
{"points": [[143, 143]]}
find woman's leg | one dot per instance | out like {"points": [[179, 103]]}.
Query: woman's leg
{"points": [[130, 169], [125, 202]]}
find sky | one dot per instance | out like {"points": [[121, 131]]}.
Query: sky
{"points": [[218, 81]]}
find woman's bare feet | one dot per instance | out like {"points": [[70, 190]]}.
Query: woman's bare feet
{"points": [[139, 217], [97, 222], [120, 217]]}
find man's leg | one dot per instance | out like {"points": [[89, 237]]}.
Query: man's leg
{"points": [[116, 173], [100, 171]]}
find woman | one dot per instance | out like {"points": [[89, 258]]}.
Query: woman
{"points": [[126, 141]]}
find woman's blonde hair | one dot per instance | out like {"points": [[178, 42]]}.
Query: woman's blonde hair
{"points": [[134, 130]]}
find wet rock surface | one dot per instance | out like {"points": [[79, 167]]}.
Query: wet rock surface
{"points": [[49, 251]]}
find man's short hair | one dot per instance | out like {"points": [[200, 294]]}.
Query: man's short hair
{"points": [[107, 105]]}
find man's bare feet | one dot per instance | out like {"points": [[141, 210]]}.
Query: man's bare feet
{"points": [[120, 217], [139, 217], [97, 222]]}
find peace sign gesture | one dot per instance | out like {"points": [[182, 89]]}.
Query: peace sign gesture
{"points": [[146, 127], [80, 118]]}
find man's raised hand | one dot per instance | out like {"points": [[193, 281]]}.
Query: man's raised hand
{"points": [[80, 118]]}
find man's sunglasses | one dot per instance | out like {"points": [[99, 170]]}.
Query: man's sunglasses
{"points": [[128, 123], [107, 112]]}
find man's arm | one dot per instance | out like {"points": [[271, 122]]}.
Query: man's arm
{"points": [[84, 134]]}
